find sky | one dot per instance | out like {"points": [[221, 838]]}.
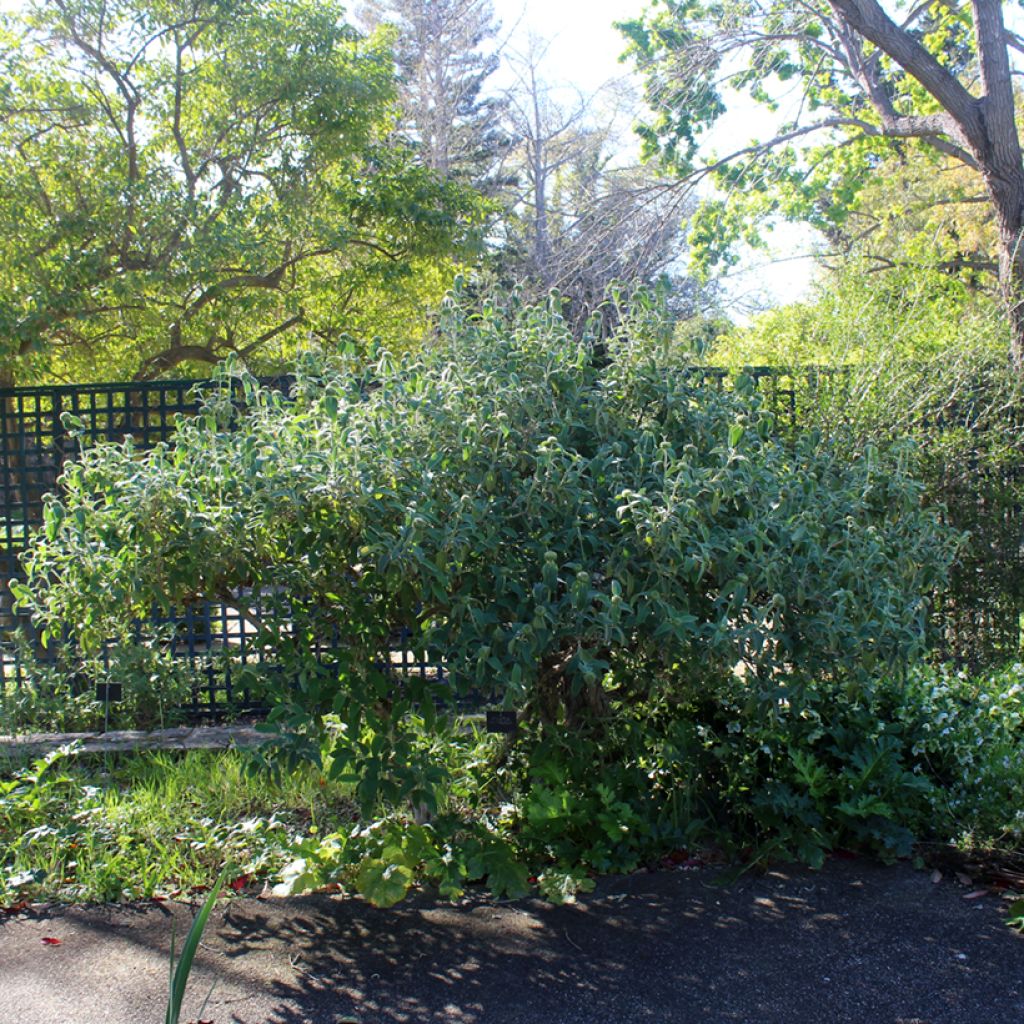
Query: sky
{"points": [[584, 46]]}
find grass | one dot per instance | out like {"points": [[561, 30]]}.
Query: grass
{"points": [[144, 826]]}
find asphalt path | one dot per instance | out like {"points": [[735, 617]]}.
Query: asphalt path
{"points": [[856, 942]]}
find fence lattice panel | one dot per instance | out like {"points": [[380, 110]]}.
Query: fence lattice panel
{"points": [[978, 620]]}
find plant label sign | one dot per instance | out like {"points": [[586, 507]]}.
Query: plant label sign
{"points": [[501, 721], [109, 693]]}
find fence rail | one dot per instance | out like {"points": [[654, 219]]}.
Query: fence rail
{"points": [[980, 617]]}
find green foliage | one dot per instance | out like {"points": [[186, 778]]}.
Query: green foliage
{"points": [[525, 513], [145, 825], [932, 754], [826, 771], [185, 180], [857, 317], [29, 795], [382, 860], [925, 224], [1015, 915], [44, 700], [601, 547], [61, 695]]}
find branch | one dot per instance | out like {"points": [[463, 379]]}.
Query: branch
{"points": [[244, 612], [948, 148], [903, 127], [916, 13], [124, 86], [943, 266], [1014, 41], [868, 19], [172, 356], [269, 280], [935, 128], [366, 243], [271, 334], [179, 138]]}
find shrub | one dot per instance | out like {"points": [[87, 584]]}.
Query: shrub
{"points": [[966, 733], [917, 355], [593, 544], [933, 754]]}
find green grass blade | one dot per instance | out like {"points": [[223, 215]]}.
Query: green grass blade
{"points": [[188, 952]]}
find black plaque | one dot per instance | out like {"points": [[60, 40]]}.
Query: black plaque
{"points": [[501, 721], [108, 693]]}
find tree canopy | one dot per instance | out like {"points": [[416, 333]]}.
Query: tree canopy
{"points": [[934, 78], [444, 51], [187, 179]]}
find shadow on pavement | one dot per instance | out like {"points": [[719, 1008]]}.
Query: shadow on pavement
{"points": [[856, 943]]}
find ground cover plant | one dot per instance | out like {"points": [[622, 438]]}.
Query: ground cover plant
{"points": [[668, 593], [937, 757], [124, 827]]}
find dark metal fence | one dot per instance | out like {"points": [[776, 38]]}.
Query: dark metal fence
{"points": [[213, 643], [34, 446]]}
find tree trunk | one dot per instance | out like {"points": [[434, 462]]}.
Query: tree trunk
{"points": [[999, 158], [1010, 222]]}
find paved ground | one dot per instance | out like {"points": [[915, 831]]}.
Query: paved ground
{"points": [[856, 943]]}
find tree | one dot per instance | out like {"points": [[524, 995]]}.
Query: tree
{"points": [[579, 223], [550, 136], [443, 63], [187, 179], [937, 77]]}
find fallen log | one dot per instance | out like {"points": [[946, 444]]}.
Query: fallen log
{"points": [[201, 737], [209, 737]]}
